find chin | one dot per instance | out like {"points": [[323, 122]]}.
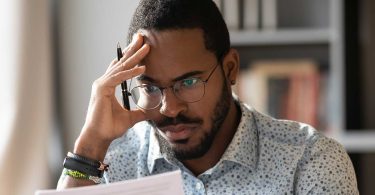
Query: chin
{"points": [[193, 146], [183, 150]]}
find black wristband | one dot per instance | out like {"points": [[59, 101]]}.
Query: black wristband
{"points": [[85, 165], [84, 159]]}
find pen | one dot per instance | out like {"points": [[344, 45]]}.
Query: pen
{"points": [[124, 88]]}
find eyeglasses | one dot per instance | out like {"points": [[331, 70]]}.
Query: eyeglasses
{"points": [[189, 90]]}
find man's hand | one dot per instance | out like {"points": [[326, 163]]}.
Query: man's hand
{"points": [[106, 119]]}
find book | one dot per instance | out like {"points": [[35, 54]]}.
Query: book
{"points": [[231, 13], [169, 183], [276, 103], [284, 89], [251, 14], [269, 14]]}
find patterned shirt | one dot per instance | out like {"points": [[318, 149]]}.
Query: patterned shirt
{"points": [[265, 156]]}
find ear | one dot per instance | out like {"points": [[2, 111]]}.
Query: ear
{"points": [[231, 66]]}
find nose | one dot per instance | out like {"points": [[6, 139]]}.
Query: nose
{"points": [[171, 105]]}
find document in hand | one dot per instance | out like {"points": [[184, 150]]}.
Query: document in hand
{"points": [[163, 184]]}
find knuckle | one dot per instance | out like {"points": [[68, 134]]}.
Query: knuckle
{"points": [[131, 48], [123, 65], [137, 58], [127, 48], [113, 77]]}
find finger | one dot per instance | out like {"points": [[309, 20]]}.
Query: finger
{"points": [[141, 53], [120, 77], [113, 62], [135, 59], [132, 61], [132, 45], [136, 43], [132, 48]]}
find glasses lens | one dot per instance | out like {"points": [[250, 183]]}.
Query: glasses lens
{"points": [[189, 90], [146, 96]]}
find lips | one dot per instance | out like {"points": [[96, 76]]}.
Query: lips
{"points": [[178, 132]]}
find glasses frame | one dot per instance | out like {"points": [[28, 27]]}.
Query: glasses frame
{"points": [[173, 90]]}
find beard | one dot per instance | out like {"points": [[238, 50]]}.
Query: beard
{"points": [[219, 114]]}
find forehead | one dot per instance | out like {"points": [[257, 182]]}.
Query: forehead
{"points": [[176, 52]]}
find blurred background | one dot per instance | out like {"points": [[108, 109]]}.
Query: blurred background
{"points": [[305, 60]]}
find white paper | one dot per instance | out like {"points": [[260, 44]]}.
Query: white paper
{"points": [[163, 184]]}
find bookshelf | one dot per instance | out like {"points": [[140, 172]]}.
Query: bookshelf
{"points": [[314, 31], [280, 37]]}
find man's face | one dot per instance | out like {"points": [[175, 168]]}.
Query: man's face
{"points": [[186, 130]]}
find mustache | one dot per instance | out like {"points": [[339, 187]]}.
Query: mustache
{"points": [[167, 121]]}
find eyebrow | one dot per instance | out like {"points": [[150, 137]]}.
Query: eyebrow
{"points": [[184, 76]]}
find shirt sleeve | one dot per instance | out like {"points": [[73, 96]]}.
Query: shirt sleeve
{"points": [[325, 168]]}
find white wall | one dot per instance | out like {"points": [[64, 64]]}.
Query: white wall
{"points": [[88, 32]]}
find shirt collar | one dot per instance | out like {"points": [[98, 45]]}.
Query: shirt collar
{"points": [[154, 152], [242, 149]]}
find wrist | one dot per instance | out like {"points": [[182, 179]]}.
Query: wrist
{"points": [[84, 165], [91, 147]]}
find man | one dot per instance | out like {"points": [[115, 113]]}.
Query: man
{"points": [[182, 68]]}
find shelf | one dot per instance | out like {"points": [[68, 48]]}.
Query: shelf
{"points": [[280, 37], [357, 140]]}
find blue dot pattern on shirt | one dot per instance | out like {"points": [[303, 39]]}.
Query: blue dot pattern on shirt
{"points": [[266, 156]]}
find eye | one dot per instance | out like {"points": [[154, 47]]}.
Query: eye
{"points": [[150, 89], [190, 82]]}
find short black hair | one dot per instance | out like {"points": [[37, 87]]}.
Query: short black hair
{"points": [[162, 15]]}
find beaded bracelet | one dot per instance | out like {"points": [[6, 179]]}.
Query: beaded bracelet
{"points": [[75, 174], [79, 175]]}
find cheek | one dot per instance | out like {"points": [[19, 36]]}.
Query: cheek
{"points": [[153, 115], [205, 108]]}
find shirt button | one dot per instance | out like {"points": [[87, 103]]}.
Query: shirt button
{"points": [[198, 186]]}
